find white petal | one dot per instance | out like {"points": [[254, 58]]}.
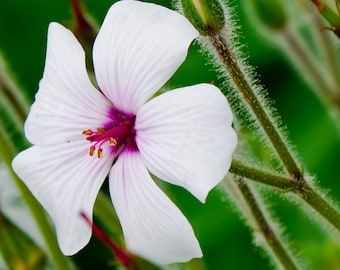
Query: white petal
{"points": [[66, 103], [66, 181], [138, 48], [185, 137], [153, 226]]}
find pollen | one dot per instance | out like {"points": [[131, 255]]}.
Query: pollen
{"points": [[112, 141], [87, 132], [91, 150], [100, 153], [101, 131]]}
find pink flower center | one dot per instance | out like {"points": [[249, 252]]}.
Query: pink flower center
{"points": [[118, 133]]}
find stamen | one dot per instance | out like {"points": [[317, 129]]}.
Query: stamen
{"points": [[113, 141], [87, 132], [117, 133], [101, 131], [91, 150], [100, 152]]}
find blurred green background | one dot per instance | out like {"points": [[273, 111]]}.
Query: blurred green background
{"points": [[225, 240]]}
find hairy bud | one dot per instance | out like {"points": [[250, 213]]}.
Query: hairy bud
{"points": [[207, 16]]}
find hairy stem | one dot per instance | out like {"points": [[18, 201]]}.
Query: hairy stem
{"points": [[300, 188], [244, 88], [260, 222], [320, 205], [263, 177], [296, 182]]}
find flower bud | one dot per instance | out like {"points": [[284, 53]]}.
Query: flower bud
{"points": [[271, 13], [206, 16]]}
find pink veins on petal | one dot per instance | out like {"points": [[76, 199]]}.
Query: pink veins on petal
{"points": [[119, 133]]}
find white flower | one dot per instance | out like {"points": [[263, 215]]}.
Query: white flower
{"points": [[183, 137]]}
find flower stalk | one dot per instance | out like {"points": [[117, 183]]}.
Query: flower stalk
{"points": [[85, 29], [301, 188], [260, 220], [123, 257], [11, 96], [280, 182], [244, 88]]}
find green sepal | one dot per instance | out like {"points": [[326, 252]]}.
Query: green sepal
{"points": [[207, 16]]}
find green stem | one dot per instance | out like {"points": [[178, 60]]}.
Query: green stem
{"points": [[321, 85], [11, 101], [297, 183], [269, 179], [244, 88], [320, 205], [262, 224], [7, 153], [329, 51], [300, 188], [10, 93]]}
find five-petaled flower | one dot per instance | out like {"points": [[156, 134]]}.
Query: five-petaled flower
{"points": [[81, 134]]}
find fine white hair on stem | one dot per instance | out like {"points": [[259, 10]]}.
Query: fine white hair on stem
{"points": [[244, 116], [231, 187]]}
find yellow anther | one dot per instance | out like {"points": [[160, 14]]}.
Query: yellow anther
{"points": [[112, 141], [100, 153], [101, 130], [87, 132], [91, 151]]}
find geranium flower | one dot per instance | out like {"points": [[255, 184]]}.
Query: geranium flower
{"points": [[81, 134]]}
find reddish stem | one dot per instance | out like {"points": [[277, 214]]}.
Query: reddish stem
{"points": [[120, 253], [318, 4], [81, 20]]}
